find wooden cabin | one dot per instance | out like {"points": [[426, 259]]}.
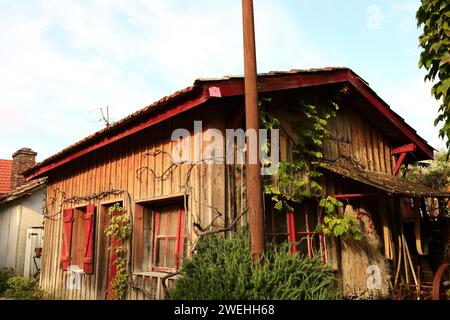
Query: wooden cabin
{"points": [[130, 163]]}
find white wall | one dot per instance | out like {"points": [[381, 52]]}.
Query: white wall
{"points": [[15, 218]]}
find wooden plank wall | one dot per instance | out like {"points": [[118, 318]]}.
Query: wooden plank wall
{"points": [[216, 188], [356, 141], [115, 167]]}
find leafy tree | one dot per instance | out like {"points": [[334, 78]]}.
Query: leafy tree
{"points": [[434, 16], [435, 175]]}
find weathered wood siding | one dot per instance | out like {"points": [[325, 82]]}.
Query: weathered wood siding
{"points": [[217, 191], [128, 165], [355, 140]]}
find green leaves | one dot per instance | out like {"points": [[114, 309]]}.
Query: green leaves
{"points": [[335, 224], [120, 229], [434, 17], [297, 178], [223, 270]]}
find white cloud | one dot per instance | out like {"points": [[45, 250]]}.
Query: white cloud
{"points": [[413, 101], [60, 60], [374, 17]]}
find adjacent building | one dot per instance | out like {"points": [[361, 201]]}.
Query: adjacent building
{"points": [[21, 220]]}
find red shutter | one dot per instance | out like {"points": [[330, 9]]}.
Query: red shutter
{"points": [[66, 238], [180, 239], [88, 239]]}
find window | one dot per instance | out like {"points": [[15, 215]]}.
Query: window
{"points": [[298, 227], [78, 238], [169, 239], [159, 235]]}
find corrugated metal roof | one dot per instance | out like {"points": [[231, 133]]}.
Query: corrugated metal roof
{"points": [[5, 175], [393, 185]]}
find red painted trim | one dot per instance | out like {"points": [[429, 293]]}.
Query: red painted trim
{"points": [[308, 236], [88, 239], [66, 239], [411, 147], [390, 115], [164, 115], [235, 87], [399, 163], [352, 195], [291, 231], [155, 240], [180, 239]]}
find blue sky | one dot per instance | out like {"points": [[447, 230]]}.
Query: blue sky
{"points": [[61, 60]]}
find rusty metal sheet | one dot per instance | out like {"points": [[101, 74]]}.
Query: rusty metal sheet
{"points": [[392, 185]]}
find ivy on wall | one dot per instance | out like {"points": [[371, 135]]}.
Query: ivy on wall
{"points": [[297, 179], [119, 229]]}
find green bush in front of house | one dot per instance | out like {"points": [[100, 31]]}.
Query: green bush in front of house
{"points": [[23, 288], [5, 275], [222, 269]]}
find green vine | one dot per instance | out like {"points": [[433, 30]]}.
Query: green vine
{"points": [[335, 224], [119, 229], [297, 178]]}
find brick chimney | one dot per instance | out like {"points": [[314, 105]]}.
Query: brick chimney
{"points": [[22, 160]]}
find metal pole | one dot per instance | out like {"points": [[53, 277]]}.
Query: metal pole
{"points": [[254, 185]]}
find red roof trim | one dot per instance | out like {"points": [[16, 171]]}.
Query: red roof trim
{"points": [[376, 101], [232, 86], [164, 115]]}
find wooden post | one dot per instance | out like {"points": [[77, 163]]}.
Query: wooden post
{"points": [[254, 185]]}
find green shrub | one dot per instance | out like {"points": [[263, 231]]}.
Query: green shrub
{"points": [[24, 288], [222, 269], [5, 274]]}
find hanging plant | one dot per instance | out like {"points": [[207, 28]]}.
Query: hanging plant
{"points": [[298, 179], [119, 229], [338, 225]]}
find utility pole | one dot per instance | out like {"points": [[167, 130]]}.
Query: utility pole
{"points": [[254, 185]]}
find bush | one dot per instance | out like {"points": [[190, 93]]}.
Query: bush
{"points": [[5, 274], [222, 269], [23, 288]]}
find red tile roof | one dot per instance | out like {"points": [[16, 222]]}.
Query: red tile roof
{"points": [[5, 175]]}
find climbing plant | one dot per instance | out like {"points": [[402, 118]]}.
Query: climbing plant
{"points": [[335, 224], [297, 179], [434, 16], [119, 229]]}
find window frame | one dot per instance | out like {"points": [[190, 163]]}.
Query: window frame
{"points": [[179, 237], [293, 234]]}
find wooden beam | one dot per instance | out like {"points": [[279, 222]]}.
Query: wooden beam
{"points": [[399, 163], [411, 147], [353, 195]]}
